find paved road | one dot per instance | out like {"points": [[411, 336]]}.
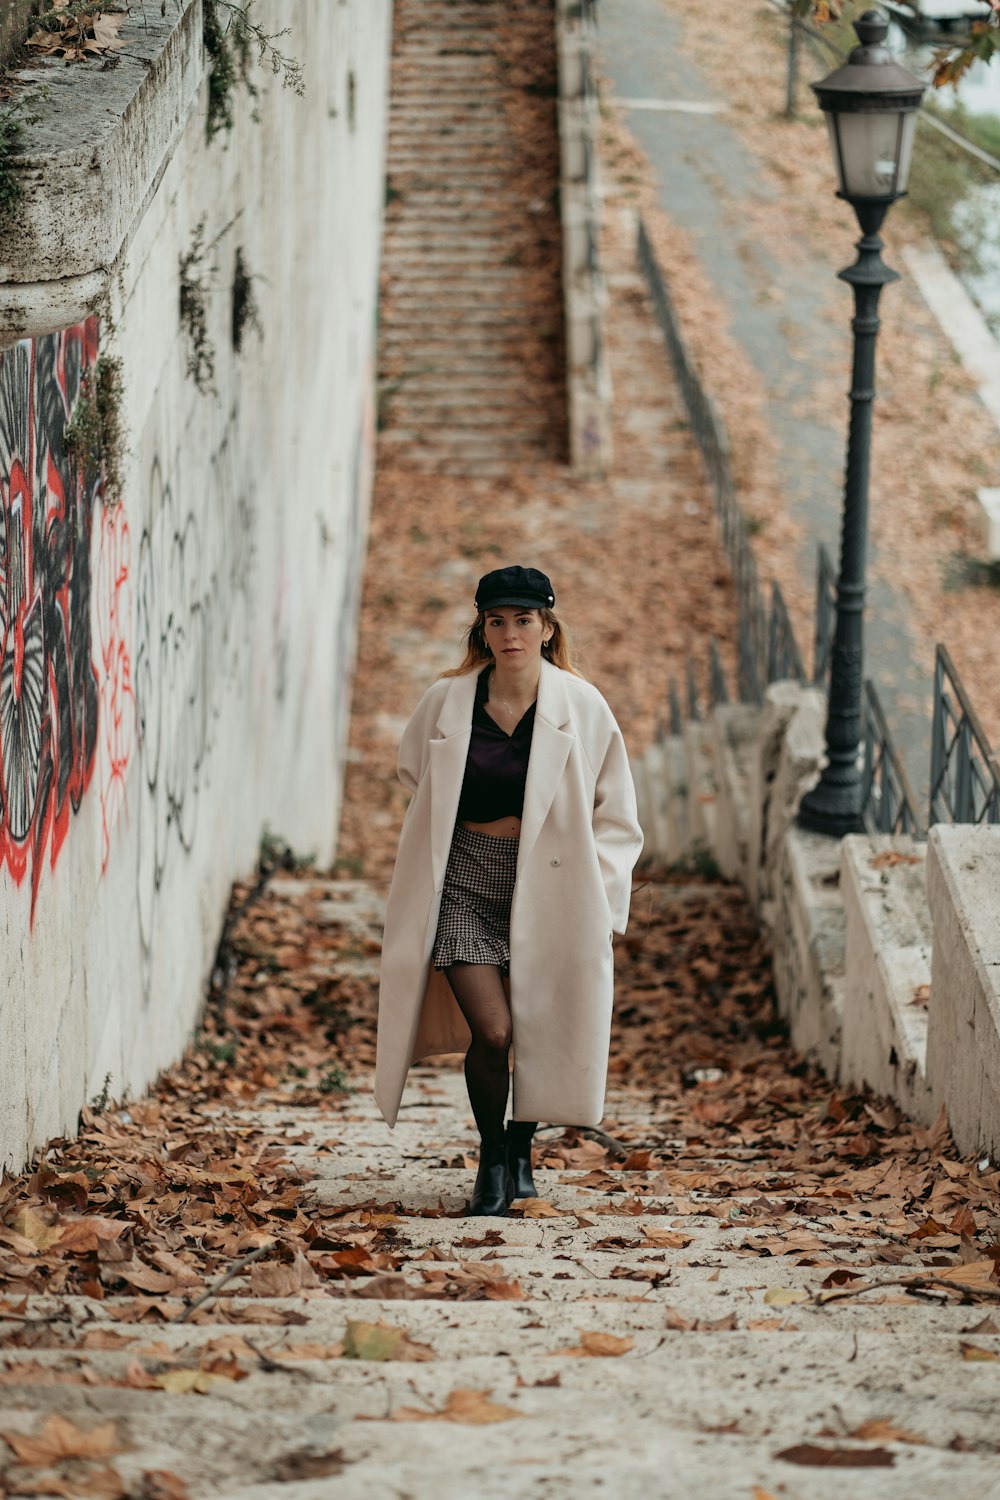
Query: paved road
{"points": [[706, 176]]}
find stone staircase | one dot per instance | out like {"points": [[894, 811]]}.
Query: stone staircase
{"points": [[640, 1332], [848, 920], [470, 349]]}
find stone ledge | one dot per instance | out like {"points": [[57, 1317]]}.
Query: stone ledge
{"points": [[963, 1039], [888, 963], [89, 165], [808, 943]]}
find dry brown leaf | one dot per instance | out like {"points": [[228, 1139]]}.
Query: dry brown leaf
{"points": [[60, 1438], [537, 1208], [186, 1382], [382, 1341], [883, 1430], [976, 1273], [162, 1484], [274, 1278], [814, 1455], [472, 1407], [599, 1346], [667, 1239]]}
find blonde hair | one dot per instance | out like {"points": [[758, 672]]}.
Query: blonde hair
{"points": [[477, 653]]}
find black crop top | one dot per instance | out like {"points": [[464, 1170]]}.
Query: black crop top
{"points": [[497, 764]]}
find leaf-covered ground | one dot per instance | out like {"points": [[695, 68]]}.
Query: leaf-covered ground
{"points": [[193, 1240]]}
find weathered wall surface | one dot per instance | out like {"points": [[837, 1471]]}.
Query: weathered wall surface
{"points": [[175, 670]]}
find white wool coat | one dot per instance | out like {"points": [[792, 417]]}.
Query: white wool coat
{"points": [[578, 844]]}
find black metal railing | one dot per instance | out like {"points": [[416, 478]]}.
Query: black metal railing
{"points": [[887, 799], [676, 715], [693, 706], [826, 617], [718, 691], [965, 775], [784, 659]]}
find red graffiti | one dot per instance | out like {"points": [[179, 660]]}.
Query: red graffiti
{"points": [[117, 713], [48, 684]]}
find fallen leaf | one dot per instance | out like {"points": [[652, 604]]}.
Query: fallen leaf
{"points": [[976, 1273], [784, 1296], [503, 1291], [38, 1228], [667, 1239], [599, 1346], [816, 1456], [381, 1341], [59, 1438], [472, 1407], [275, 1278], [988, 1324], [537, 1208], [186, 1382], [308, 1466], [882, 1430], [390, 1285], [163, 1484]]}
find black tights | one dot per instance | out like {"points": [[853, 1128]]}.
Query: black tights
{"points": [[481, 997]]}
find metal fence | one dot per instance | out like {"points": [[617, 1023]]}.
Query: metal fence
{"points": [[965, 775], [887, 799], [826, 617], [784, 659]]}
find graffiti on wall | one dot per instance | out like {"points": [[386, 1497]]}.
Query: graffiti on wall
{"points": [[113, 614], [49, 686], [193, 593]]}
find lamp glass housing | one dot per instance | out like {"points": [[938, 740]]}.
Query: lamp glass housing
{"points": [[872, 150]]}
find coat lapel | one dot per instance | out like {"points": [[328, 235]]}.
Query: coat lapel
{"points": [[448, 755], [551, 741]]}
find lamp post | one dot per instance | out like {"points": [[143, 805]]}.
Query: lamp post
{"points": [[870, 105]]}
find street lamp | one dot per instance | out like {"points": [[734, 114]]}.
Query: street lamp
{"points": [[871, 106]]}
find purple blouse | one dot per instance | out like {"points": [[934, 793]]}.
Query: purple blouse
{"points": [[497, 764]]}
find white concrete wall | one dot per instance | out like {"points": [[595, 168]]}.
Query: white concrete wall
{"points": [[211, 617]]}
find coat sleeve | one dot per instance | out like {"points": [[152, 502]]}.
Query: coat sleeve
{"points": [[411, 761], [617, 834]]}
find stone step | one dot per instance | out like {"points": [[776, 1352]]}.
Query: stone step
{"points": [[418, 274], [461, 444], [453, 406], [703, 786]]}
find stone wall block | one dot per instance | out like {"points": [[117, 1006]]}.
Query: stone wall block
{"points": [[787, 763], [888, 969], [963, 1041]]}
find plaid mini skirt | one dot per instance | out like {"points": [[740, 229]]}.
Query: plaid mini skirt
{"points": [[474, 924]]}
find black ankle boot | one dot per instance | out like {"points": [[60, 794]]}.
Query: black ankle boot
{"points": [[519, 1133], [492, 1191]]}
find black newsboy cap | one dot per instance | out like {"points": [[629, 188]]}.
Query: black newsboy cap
{"points": [[526, 587]]}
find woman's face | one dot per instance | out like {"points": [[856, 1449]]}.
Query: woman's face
{"points": [[515, 636]]}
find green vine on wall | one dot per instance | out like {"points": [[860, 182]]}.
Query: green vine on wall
{"points": [[13, 119], [233, 42], [95, 433], [195, 282], [245, 310]]}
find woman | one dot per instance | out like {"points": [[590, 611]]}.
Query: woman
{"points": [[514, 869]]}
